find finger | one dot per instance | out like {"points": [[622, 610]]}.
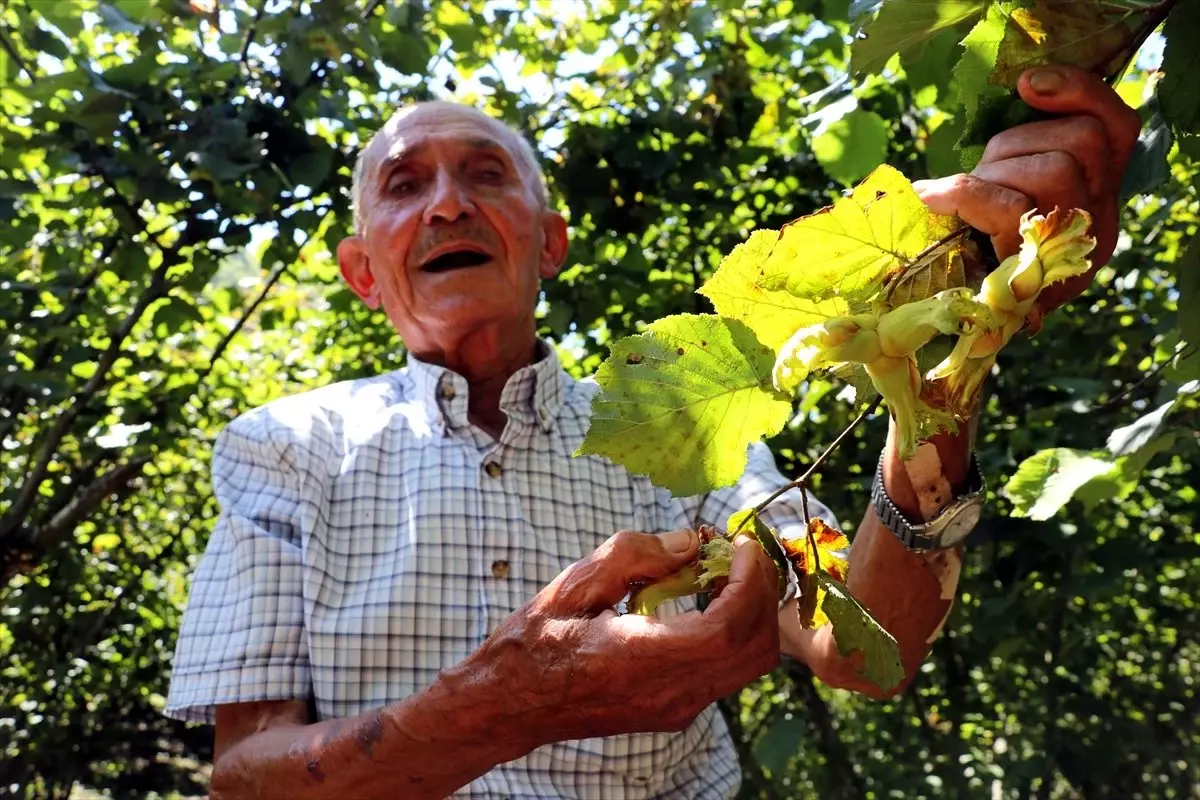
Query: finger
{"points": [[992, 208], [602, 579], [1070, 90], [1057, 180], [750, 592], [1083, 138]]}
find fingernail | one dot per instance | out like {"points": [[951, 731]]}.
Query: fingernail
{"points": [[677, 541], [1046, 81]]}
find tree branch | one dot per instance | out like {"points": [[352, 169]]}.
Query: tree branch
{"points": [[247, 312], [847, 784], [87, 501], [15, 399], [158, 288], [6, 42], [751, 768]]}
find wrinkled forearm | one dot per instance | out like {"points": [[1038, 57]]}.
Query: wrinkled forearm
{"points": [[425, 746], [910, 594]]}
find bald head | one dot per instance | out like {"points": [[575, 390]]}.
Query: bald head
{"points": [[390, 142]]}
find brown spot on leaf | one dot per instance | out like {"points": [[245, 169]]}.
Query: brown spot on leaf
{"points": [[880, 194], [678, 351], [703, 343], [633, 358]]}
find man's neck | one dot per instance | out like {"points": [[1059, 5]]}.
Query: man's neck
{"points": [[487, 362]]}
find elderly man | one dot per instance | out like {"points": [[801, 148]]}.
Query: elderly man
{"points": [[410, 589]]}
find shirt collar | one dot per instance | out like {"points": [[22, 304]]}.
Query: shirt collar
{"points": [[533, 395]]}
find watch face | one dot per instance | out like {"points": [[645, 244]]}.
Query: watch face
{"points": [[961, 525]]}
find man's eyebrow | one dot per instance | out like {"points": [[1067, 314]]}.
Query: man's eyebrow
{"points": [[484, 143], [397, 157]]}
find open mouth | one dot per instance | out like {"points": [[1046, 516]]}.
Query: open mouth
{"points": [[456, 259]]}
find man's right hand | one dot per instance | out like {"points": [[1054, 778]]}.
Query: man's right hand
{"points": [[571, 668]]}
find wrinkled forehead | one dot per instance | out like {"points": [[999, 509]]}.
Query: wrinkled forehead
{"points": [[435, 123]]}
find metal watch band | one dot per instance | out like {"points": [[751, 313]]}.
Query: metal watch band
{"points": [[912, 535]]}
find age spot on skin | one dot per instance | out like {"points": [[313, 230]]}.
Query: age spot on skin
{"points": [[369, 734]]}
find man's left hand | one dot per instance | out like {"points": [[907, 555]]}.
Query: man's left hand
{"points": [[1076, 160]]}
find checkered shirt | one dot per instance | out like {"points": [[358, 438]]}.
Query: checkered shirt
{"points": [[371, 536]]}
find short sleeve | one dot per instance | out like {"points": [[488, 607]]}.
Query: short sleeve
{"points": [[243, 636]]}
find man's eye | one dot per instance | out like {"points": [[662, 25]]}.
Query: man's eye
{"points": [[402, 186], [491, 174]]}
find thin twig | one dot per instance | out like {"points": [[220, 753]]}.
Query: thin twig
{"points": [[802, 481], [248, 39], [1183, 350], [808, 531], [370, 9], [12, 51]]}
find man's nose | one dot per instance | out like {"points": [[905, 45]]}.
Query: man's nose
{"points": [[449, 202]]}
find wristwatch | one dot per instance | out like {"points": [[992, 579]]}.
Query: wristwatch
{"points": [[947, 529]]}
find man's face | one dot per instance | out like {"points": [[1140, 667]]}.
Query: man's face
{"points": [[454, 237]]}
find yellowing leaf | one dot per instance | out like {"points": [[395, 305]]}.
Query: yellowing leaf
{"points": [[833, 555], [905, 26], [856, 630], [737, 292], [849, 249], [682, 402]]}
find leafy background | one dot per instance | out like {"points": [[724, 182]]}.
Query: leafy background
{"points": [[174, 176]]}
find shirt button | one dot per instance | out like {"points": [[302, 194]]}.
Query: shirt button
{"points": [[493, 469], [500, 568], [447, 391]]}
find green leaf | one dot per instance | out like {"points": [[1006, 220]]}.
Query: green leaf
{"points": [[175, 313], [767, 536], [1179, 90], [780, 743], [312, 168], [1082, 34], [903, 26], [66, 15], [1047, 480], [853, 146], [854, 629], [972, 76], [933, 63], [682, 402], [105, 541], [1148, 168], [1138, 434], [849, 249], [737, 292]]}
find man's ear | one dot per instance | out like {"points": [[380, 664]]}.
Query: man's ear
{"points": [[554, 244], [356, 269]]}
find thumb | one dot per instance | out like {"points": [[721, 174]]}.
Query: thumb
{"points": [[602, 579]]}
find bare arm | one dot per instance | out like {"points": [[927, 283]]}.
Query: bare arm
{"points": [[910, 594], [425, 746], [564, 666], [1074, 161]]}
